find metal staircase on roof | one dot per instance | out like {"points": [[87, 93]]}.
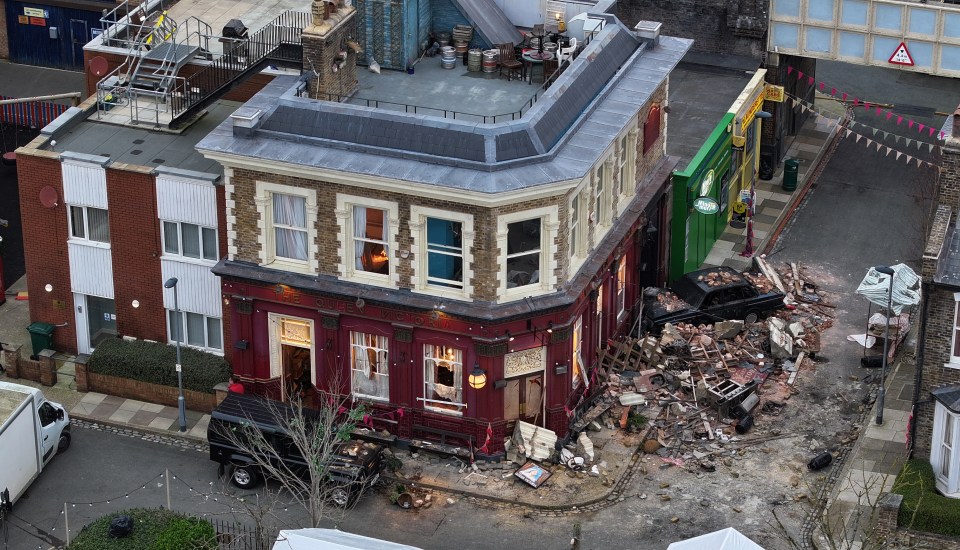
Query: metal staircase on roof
{"points": [[157, 48], [148, 81]]}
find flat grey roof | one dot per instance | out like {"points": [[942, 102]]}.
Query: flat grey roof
{"points": [[699, 97], [558, 139], [143, 146]]}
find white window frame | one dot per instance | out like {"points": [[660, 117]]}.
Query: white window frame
{"points": [[383, 377], [942, 442], [85, 239], [420, 263], [598, 329], [267, 237], [179, 253], [172, 340], [346, 267], [275, 339], [549, 226], [621, 278], [953, 362], [428, 402]]}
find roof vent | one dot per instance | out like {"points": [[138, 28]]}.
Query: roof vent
{"points": [[245, 120], [649, 31]]}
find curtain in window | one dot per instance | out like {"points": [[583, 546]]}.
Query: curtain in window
{"points": [[77, 228], [99, 225], [370, 370], [359, 231], [290, 211]]}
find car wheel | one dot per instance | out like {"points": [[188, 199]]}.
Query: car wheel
{"points": [[751, 317], [244, 477], [64, 443], [341, 496]]}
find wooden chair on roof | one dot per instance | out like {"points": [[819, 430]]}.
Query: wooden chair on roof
{"points": [[508, 61], [550, 67]]}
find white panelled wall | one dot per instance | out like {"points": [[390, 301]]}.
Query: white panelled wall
{"points": [[189, 201]]}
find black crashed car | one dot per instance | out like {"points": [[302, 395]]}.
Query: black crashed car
{"points": [[701, 297], [354, 465]]}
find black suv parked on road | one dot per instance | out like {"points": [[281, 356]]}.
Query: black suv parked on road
{"points": [[355, 464]]}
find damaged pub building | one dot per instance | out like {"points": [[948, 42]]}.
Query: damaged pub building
{"points": [[454, 275]]}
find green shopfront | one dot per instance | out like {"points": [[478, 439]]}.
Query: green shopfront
{"points": [[701, 201]]}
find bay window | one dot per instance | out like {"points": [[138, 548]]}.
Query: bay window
{"points": [[944, 455]]}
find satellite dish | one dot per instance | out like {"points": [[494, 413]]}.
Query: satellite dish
{"points": [[98, 66], [48, 197]]}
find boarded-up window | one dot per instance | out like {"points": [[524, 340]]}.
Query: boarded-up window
{"points": [[651, 128]]}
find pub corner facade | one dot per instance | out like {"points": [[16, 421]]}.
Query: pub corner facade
{"points": [[453, 277]]}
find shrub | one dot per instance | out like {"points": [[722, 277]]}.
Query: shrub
{"points": [[192, 533], [923, 508], [154, 362], [155, 529]]}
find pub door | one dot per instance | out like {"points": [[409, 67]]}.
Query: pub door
{"points": [[523, 399]]}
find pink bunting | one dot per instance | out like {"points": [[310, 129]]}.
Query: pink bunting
{"points": [[879, 110], [932, 129], [920, 128], [833, 92], [789, 69], [799, 75], [844, 96], [899, 120], [822, 84], [810, 80], [941, 135], [866, 105], [890, 115], [400, 413], [856, 102], [910, 124]]}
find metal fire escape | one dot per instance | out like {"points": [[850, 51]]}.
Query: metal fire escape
{"points": [[148, 83]]}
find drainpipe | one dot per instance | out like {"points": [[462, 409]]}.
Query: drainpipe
{"points": [[918, 374]]}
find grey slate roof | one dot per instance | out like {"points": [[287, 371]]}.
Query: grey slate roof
{"points": [[948, 268], [558, 139], [948, 396]]}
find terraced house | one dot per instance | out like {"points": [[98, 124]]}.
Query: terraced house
{"points": [[453, 272]]}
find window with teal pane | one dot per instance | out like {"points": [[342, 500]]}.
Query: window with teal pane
{"points": [[444, 253]]}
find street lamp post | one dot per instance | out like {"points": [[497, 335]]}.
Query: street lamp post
{"points": [[888, 271], [172, 283]]}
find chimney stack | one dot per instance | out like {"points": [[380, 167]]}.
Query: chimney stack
{"points": [[329, 50]]}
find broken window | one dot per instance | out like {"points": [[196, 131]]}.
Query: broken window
{"points": [[369, 365], [442, 378]]}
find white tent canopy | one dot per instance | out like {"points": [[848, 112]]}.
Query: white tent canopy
{"points": [[724, 539], [906, 287], [331, 539]]}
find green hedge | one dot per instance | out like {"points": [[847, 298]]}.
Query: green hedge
{"points": [[923, 508], [154, 529], [155, 363]]}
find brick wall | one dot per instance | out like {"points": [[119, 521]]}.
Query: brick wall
{"points": [[45, 247], [949, 190], [887, 534], [4, 37], [135, 248], [144, 391], [736, 27], [939, 331], [321, 52]]}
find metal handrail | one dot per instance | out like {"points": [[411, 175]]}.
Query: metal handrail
{"points": [[447, 113], [239, 56]]}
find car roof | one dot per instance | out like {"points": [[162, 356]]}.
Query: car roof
{"points": [[263, 412], [692, 278]]}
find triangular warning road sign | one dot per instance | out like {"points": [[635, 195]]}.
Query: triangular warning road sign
{"points": [[901, 56]]}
